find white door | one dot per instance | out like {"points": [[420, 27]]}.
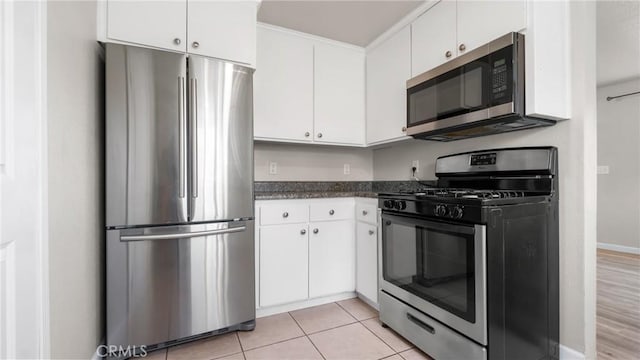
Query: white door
{"points": [[339, 94], [223, 29], [331, 258], [284, 264], [283, 87], [161, 24], [433, 37], [367, 261], [388, 69], [480, 22]]}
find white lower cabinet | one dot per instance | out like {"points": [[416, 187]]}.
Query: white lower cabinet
{"points": [[305, 251], [332, 258], [367, 261], [284, 264]]}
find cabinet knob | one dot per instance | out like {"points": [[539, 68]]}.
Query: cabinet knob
{"points": [[364, 212], [195, 44], [462, 47], [303, 231], [177, 41], [331, 212], [404, 129], [448, 53], [319, 135], [371, 232], [306, 134], [285, 214], [315, 231]]}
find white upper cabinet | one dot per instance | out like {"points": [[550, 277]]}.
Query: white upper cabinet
{"points": [[451, 28], [283, 87], [308, 90], [220, 29], [433, 40], [161, 24], [223, 29], [388, 69], [339, 95], [479, 22]]}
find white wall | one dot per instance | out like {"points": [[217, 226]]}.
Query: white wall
{"points": [[576, 142], [619, 149], [312, 163], [76, 226]]}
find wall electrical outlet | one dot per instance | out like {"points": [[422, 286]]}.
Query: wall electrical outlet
{"points": [[347, 169], [603, 169], [416, 164], [273, 168]]}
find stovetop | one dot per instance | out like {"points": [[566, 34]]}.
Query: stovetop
{"points": [[467, 193]]}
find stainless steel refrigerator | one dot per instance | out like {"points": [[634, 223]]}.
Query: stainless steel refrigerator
{"points": [[179, 197]]}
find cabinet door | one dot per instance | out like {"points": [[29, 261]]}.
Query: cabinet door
{"points": [[339, 95], [161, 24], [331, 258], [284, 264], [367, 261], [223, 29], [433, 35], [480, 22], [283, 87], [388, 69]]}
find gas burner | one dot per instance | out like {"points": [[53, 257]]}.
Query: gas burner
{"points": [[467, 193]]}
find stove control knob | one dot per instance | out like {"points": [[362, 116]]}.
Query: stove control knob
{"points": [[400, 205], [388, 203], [441, 210], [457, 212]]}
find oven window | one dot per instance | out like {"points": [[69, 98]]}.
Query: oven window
{"points": [[431, 262]]}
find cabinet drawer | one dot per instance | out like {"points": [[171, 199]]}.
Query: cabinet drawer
{"points": [[284, 214], [366, 213], [331, 211]]}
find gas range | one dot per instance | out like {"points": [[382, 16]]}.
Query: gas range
{"points": [[470, 267]]}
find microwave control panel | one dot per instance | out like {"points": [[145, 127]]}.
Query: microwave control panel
{"points": [[500, 78]]}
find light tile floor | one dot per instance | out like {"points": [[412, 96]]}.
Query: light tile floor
{"points": [[345, 330]]}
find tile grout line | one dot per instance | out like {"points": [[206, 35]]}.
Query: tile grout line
{"points": [[345, 309], [277, 342], [307, 336], [240, 343]]}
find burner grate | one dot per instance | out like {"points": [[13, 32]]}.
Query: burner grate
{"points": [[468, 193]]}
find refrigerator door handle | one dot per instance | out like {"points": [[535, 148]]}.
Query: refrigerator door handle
{"points": [[182, 138], [194, 138], [182, 235]]}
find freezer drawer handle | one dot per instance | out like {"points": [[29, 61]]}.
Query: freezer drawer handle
{"points": [[419, 322], [182, 235]]}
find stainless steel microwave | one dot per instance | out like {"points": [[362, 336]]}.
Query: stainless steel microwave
{"points": [[478, 93]]}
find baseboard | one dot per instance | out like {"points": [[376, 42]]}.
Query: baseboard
{"points": [[567, 353], [620, 248], [278, 309]]}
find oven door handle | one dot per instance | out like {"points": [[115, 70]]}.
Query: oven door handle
{"points": [[413, 221]]}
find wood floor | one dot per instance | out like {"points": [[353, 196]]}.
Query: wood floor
{"points": [[618, 305]]}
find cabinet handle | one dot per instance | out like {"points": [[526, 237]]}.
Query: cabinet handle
{"points": [[303, 231], [371, 232], [306, 134], [462, 47], [285, 214], [448, 53], [195, 44], [319, 135], [177, 41], [404, 129], [364, 212], [331, 212], [315, 231]]}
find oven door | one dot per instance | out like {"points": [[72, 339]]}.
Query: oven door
{"points": [[438, 268]]}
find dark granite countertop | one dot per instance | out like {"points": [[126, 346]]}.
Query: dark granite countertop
{"points": [[277, 190]]}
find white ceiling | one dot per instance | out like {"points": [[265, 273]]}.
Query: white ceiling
{"points": [[618, 41], [355, 22]]}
